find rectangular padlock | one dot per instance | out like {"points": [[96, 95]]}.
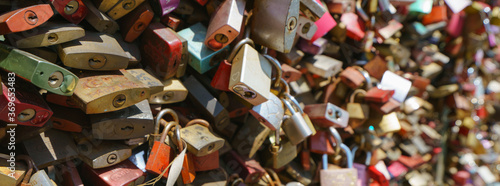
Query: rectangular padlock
{"points": [[323, 66], [315, 48], [306, 28], [320, 143], [46, 35], [100, 92], [312, 9], [293, 58], [21, 103], [249, 139], [214, 112], [384, 124], [130, 122], [202, 58], [155, 85], [376, 67], [206, 162], [133, 24], [124, 173], [199, 130], [38, 71], [68, 119], [50, 147], [72, 10], [251, 75], [324, 24], [162, 50], [274, 23], [101, 154], [378, 95], [327, 114], [248, 169], [100, 21], [94, 51], [116, 9], [390, 29], [173, 92], [354, 29], [25, 18], [225, 24], [41, 178]]}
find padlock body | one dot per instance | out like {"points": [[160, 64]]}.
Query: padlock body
{"points": [[133, 24], [72, 10], [25, 18], [225, 24], [159, 158]]}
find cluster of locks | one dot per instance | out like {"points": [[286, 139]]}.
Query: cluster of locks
{"points": [[250, 92]]}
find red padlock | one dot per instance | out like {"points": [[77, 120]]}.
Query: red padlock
{"points": [[72, 10], [378, 95], [134, 23], [321, 144], [25, 18]]}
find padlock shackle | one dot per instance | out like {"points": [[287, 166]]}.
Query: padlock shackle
{"points": [[238, 46], [284, 87], [365, 74], [361, 12], [166, 129], [161, 114], [180, 145], [353, 95], [31, 167], [295, 103], [276, 64], [341, 145], [200, 122], [288, 105]]}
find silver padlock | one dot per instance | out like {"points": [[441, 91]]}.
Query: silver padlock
{"points": [[270, 113], [295, 126]]}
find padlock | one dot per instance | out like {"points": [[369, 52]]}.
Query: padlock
{"points": [[274, 23], [339, 33], [68, 119], [94, 51], [202, 58], [312, 9], [376, 67], [172, 21], [358, 112], [384, 124], [99, 20], [155, 85], [295, 126], [343, 176], [211, 108], [306, 28], [324, 24], [117, 9], [188, 171], [61, 100], [199, 129], [124, 173], [21, 103], [25, 18], [354, 77], [248, 169], [290, 74], [162, 8], [390, 29], [104, 154], [18, 174], [69, 174], [130, 122], [251, 75], [173, 92], [225, 24], [100, 92], [40, 178], [38, 71], [320, 143], [50, 147], [161, 154], [378, 95], [379, 173], [293, 58], [162, 50], [327, 114], [437, 14], [269, 113], [341, 6], [323, 66], [315, 48], [72, 10], [385, 108], [205, 163], [250, 138], [46, 35], [133, 24], [361, 167], [282, 151], [184, 57], [354, 29], [222, 77]]}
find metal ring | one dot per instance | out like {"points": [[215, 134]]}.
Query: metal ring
{"points": [[366, 75], [200, 122], [276, 65], [180, 145], [336, 137], [166, 129]]}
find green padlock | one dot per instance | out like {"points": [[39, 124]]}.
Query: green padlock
{"points": [[38, 71]]}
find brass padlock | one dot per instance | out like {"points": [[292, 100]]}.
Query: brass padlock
{"points": [[358, 112], [38, 71], [14, 175], [100, 92], [155, 85], [225, 24], [251, 75], [199, 129], [117, 8], [130, 122], [94, 51], [250, 138], [46, 35], [282, 151], [274, 23], [50, 147], [100, 21], [100, 154], [173, 92]]}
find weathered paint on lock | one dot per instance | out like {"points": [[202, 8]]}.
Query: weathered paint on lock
{"points": [[124, 173], [38, 71], [104, 154], [162, 50], [108, 92], [25, 18], [72, 10]]}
